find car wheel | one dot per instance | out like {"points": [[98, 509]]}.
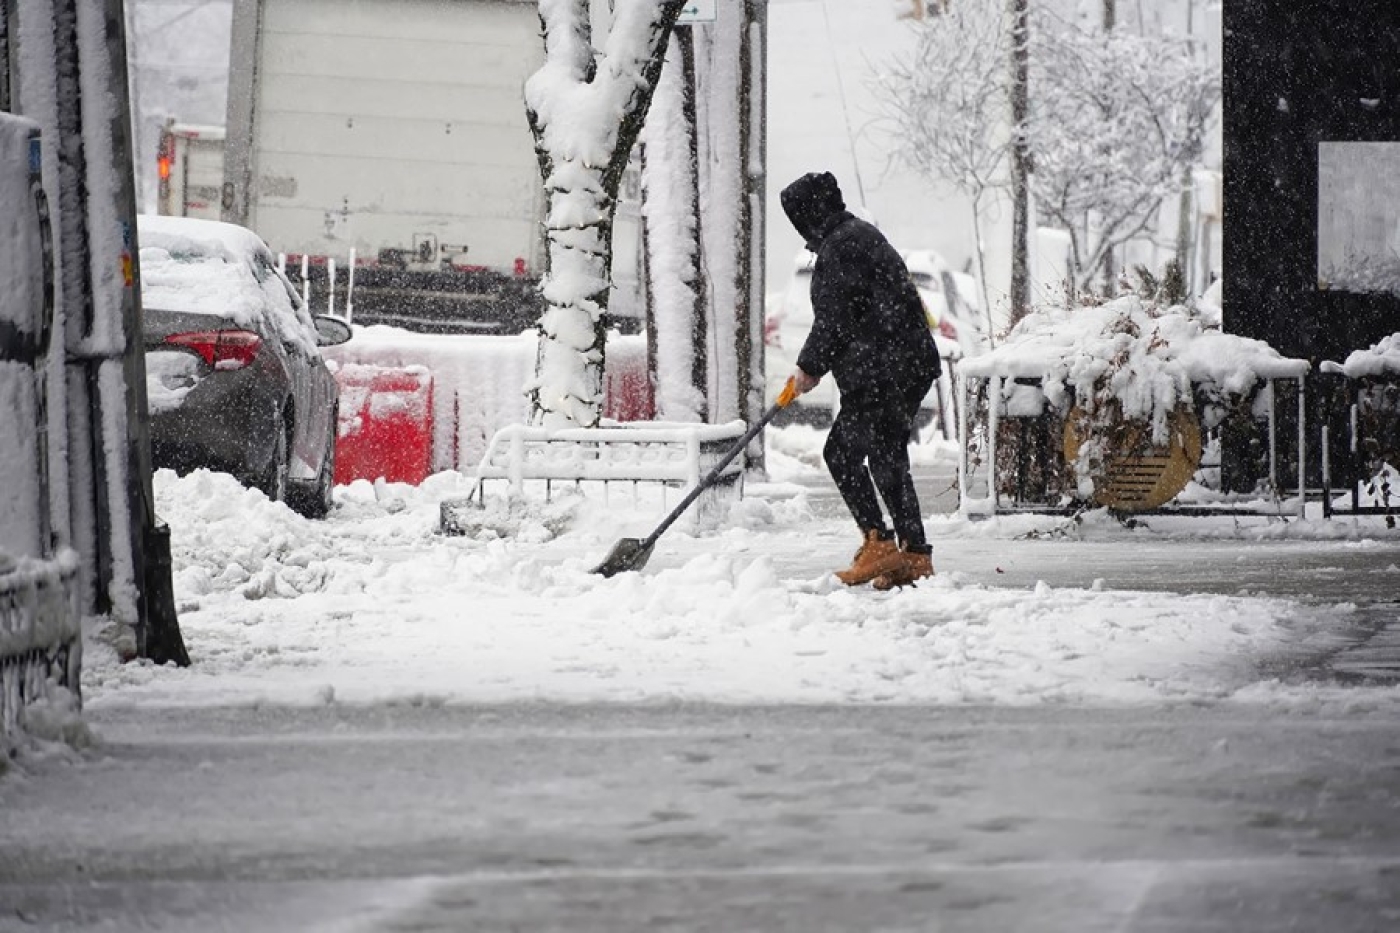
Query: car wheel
{"points": [[317, 502], [274, 479]]}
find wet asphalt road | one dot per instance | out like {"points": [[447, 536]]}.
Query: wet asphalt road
{"points": [[1203, 817], [711, 818]]}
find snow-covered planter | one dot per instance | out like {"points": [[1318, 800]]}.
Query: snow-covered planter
{"points": [[40, 638], [1113, 404]]}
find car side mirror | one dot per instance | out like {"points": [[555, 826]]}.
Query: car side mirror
{"points": [[331, 331]]}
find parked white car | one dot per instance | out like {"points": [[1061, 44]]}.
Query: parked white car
{"points": [[954, 296], [790, 319]]}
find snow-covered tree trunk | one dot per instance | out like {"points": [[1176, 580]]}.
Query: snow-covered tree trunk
{"points": [[670, 176], [720, 107], [586, 108]]}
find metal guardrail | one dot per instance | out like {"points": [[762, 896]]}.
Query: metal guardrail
{"points": [[40, 634], [992, 504], [1359, 438], [667, 454]]}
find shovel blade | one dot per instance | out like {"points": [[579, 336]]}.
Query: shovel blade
{"points": [[627, 554], [455, 516]]}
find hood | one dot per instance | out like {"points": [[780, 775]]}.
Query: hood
{"points": [[810, 202]]}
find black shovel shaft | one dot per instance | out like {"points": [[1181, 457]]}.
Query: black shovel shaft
{"points": [[710, 477]]}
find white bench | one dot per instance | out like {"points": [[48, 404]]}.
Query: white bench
{"points": [[668, 453]]}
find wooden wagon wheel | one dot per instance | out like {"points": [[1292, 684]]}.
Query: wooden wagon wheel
{"points": [[1138, 475]]}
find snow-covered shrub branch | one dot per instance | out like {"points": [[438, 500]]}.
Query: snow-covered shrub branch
{"points": [[1117, 121], [586, 108]]}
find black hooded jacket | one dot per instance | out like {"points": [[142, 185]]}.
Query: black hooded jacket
{"points": [[869, 329]]}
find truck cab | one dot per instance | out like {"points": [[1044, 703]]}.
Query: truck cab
{"points": [[190, 170]]}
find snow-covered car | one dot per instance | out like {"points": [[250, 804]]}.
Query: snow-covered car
{"points": [[786, 328], [952, 298], [235, 381]]}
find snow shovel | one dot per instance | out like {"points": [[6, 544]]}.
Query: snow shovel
{"points": [[633, 553]]}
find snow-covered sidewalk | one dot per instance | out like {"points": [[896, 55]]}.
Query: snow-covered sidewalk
{"points": [[373, 605]]}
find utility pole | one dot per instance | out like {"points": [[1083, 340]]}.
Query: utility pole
{"points": [[1110, 15], [753, 58], [699, 332], [1020, 161], [71, 79]]}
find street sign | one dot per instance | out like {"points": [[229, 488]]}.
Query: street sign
{"points": [[696, 11]]}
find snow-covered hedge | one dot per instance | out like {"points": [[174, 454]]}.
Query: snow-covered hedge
{"points": [[1380, 359], [1145, 358], [1121, 381]]}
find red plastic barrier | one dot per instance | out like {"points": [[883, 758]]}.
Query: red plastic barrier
{"points": [[627, 394], [386, 424]]}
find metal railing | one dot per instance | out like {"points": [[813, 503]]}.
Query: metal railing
{"points": [[40, 635]]}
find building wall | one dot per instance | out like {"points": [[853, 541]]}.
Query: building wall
{"points": [[1301, 76]]}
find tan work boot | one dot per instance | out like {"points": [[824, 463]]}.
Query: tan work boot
{"points": [[905, 568], [873, 559]]}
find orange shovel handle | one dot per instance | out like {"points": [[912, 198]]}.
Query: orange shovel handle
{"points": [[789, 393]]}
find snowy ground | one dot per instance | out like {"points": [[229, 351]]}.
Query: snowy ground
{"points": [[374, 605], [1074, 727]]}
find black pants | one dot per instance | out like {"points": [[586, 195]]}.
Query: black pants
{"points": [[868, 449]]}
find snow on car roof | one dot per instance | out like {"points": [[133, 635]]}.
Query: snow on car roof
{"points": [[208, 267], [924, 260], [188, 235]]}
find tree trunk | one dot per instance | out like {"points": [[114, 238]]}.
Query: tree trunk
{"points": [[581, 166], [982, 267], [698, 332], [1020, 162], [671, 206], [568, 389]]}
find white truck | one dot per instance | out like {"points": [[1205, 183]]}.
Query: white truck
{"points": [[190, 170], [391, 134]]}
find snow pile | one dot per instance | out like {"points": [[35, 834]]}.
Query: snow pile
{"points": [[1379, 360], [1145, 357], [373, 606]]}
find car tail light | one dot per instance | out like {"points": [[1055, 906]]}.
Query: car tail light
{"points": [[221, 349], [771, 336], [946, 330]]}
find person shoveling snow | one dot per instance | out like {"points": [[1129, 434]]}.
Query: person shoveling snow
{"points": [[870, 332]]}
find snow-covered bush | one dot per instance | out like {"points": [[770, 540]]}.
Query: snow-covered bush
{"points": [[1118, 120], [1124, 379]]}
